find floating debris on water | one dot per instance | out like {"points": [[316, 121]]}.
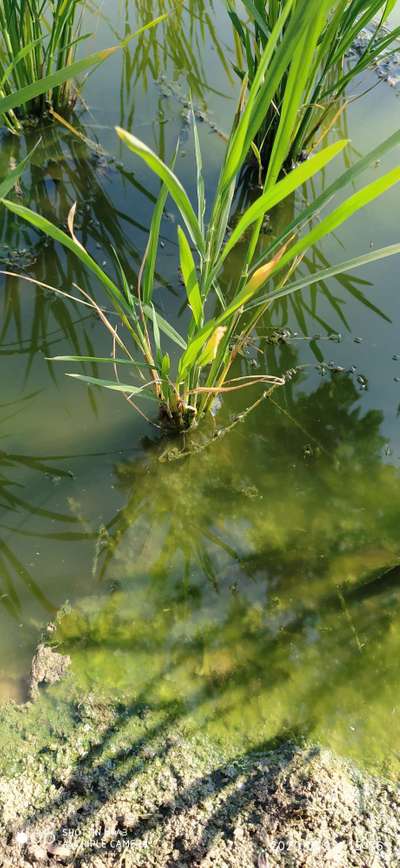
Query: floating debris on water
{"points": [[362, 381]]}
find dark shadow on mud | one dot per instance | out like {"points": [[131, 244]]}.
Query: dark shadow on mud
{"points": [[98, 785]]}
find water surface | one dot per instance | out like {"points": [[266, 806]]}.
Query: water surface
{"points": [[252, 587]]}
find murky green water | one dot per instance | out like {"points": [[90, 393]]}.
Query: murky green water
{"points": [[252, 588]]}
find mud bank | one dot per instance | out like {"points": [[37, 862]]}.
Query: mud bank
{"points": [[84, 783]]}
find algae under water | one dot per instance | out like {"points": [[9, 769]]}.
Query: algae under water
{"points": [[252, 588]]}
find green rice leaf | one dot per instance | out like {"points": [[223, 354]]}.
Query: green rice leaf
{"points": [[25, 94], [189, 275], [59, 235], [300, 67], [246, 129], [107, 360], [170, 180], [24, 51], [114, 386], [341, 214], [388, 9], [156, 332], [165, 366], [150, 256], [165, 326], [281, 190], [326, 273], [125, 284], [346, 178], [201, 197], [194, 348]]}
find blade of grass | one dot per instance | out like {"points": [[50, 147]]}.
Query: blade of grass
{"points": [[189, 275], [281, 190], [326, 273], [170, 180], [115, 387], [341, 214]]}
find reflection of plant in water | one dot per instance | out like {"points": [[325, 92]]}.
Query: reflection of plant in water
{"points": [[181, 502], [260, 593], [179, 44], [15, 506]]}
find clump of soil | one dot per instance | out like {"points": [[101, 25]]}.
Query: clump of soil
{"points": [[48, 667], [86, 784]]}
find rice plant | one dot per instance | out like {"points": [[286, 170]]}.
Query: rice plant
{"points": [[310, 95], [38, 38], [71, 161], [184, 384], [38, 43]]}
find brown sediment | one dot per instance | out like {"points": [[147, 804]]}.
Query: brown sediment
{"points": [[84, 783]]}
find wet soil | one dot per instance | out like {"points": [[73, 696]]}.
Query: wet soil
{"points": [[86, 783]]}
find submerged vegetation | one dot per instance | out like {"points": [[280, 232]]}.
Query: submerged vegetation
{"points": [[185, 384], [310, 96]]}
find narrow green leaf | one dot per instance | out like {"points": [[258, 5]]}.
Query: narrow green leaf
{"points": [[246, 131], [258, 16], [156, 332], [281, 190], [300, 69], [165, 366], [189, 275], [107, 360], [150, 256], [59, 235], [24, 51], [325, 273], [194, 348], [165, 326], [125, 283], [389, 9], [49, 82], [170, 180], [341, 214], [114, 386], [346, 178], [201, 196], [25, 94]]}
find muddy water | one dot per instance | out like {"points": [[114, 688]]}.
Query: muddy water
{"points": [[252, 587]]}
